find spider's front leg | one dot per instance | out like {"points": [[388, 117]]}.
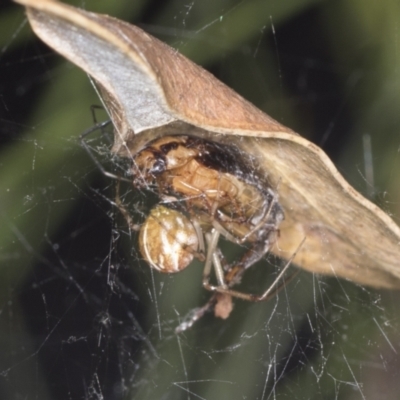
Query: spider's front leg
{"points": [[232, 277], [123, 210]]}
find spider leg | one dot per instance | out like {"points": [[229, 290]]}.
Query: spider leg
{"points": [[231, 279], [263, 221], [213, 260], [240, 240], [121, 207], [83, 136], [272, 290]]}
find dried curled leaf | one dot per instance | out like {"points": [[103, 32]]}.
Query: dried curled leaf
{"points": [[150, 90]]}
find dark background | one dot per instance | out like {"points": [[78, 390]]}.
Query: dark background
{"points": [[82, 317]]}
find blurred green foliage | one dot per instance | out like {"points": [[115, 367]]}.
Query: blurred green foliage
{"points": [[328, 69]]}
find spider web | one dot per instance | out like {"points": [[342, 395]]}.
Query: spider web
{"points": [[83, 317]]}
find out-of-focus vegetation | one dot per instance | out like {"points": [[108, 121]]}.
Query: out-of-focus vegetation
{"points": [[328, 69]]}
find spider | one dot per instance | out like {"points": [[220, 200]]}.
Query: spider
{"points": [[220, 194], [206, 190]]}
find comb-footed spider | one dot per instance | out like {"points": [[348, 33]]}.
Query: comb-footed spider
{"points": [[206, 189]]}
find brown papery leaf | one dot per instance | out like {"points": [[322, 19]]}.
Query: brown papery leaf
{"points": [[150, 90]]}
